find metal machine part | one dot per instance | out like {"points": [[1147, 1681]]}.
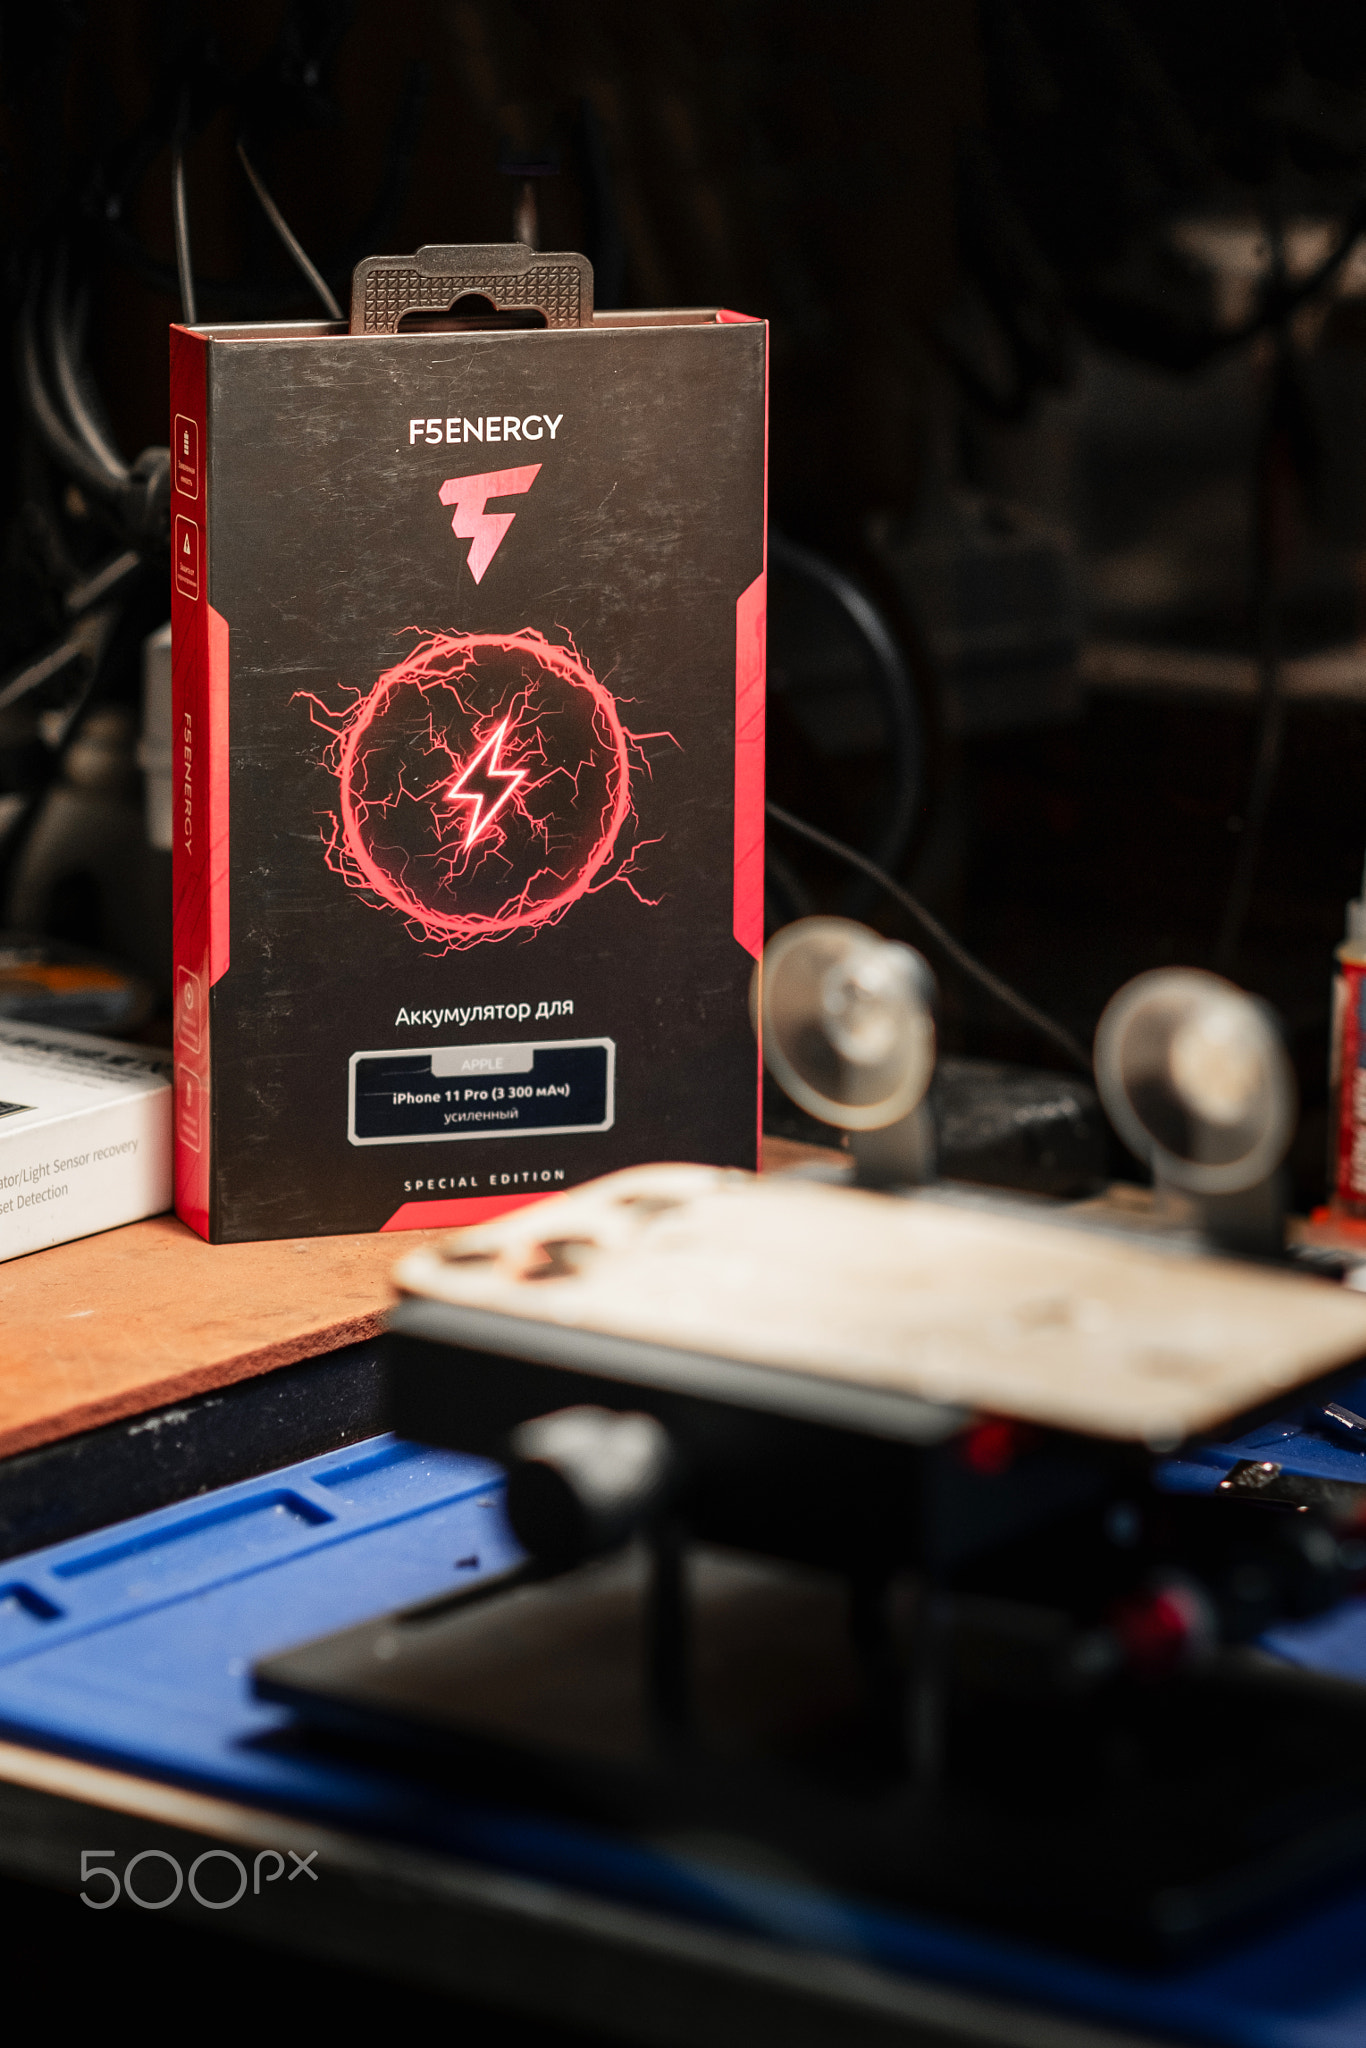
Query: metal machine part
{"points": [[584, 1480], [1261, 1479], [1004, 1126], [839, 1609], [1343, 1423], [1196, 1081], [846, 1021], [1010, 1735], [849, 1036]]}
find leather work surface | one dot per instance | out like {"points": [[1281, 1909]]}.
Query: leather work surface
{"points": [[1074, 1327]]}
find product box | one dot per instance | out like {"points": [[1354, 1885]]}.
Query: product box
{"points": [[468, 698], [85, 1135]]}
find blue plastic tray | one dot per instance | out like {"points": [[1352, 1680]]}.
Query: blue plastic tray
{"points": [[133, 1647]]}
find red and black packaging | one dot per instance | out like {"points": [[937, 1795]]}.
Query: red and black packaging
{"points": [[468, 619]]}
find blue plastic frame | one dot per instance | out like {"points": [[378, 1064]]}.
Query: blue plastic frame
{"points": [[132, 1646]]}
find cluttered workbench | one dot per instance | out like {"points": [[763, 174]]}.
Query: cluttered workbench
{"points": [[682, 1098], [516, 1530], [113, 1326], [128, 1715], [735, 1581], [144, 1369], [141, 1365]]}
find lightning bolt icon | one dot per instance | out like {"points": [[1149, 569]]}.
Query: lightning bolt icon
{"points": [[478, 783]]}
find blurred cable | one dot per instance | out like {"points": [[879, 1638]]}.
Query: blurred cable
{"points": [[291, 241], [180, 208], [1276, 474], [65, 329], [58, 396], [942, 940], [891, 682], [255, 298], [785, 895], [61, 442]]}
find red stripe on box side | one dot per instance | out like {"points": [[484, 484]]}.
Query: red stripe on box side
{"points": [[220, 929], [750, 649], [465, 1209], [751, 666]]}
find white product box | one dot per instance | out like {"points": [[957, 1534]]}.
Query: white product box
{"points": [[85, 1135]]}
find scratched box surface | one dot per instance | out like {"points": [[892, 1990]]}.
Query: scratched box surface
{"points": [[468, 655]]}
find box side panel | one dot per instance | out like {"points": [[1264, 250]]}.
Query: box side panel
{"points": [[190, 700], [751, 701]]}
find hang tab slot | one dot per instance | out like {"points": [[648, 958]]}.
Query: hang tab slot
{"points": [[473, 313]]}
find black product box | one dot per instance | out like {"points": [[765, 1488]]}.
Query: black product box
{"points": [[468, 667]]}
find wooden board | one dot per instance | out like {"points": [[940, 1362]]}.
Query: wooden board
{"points": [[132, 1319], [1039, 1320], [135, 1318]]}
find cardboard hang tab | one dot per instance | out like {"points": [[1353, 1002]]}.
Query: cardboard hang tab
{"points": [[511, 277]]}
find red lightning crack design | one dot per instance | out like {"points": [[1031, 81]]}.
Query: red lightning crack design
{"points": [[479, 820], [552, 766]]}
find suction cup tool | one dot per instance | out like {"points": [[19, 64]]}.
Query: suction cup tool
{"points": [[848, 1034], [1195, 1079]]}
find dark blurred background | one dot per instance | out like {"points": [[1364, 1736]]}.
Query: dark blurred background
{"points": [[1068, 428]]}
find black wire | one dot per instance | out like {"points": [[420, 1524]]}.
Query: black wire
{"points": [[139, 498], [905, 741], [241, 297], [966, 962], [289, 238], [180, 208], [82, 406], [783, 887], [1276, 445], [57, 436]]}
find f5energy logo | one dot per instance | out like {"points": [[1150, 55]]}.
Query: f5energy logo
{"points": [[469, 521]]}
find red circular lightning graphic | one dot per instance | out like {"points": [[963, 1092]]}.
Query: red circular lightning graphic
{"points": [[484, 784]]}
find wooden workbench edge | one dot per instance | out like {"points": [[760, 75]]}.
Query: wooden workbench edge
{"points": [[123, 1404]]}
